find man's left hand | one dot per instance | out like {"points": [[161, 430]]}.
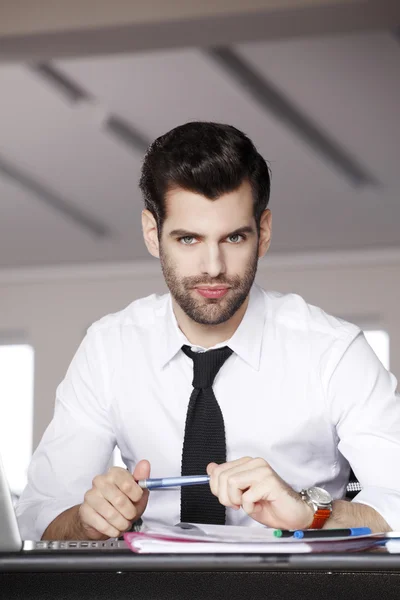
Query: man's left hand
{"points": [[251, 484]]}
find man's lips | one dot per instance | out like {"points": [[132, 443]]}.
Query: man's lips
{"points": [[212, 292]]}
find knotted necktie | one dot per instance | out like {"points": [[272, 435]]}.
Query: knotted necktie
{"points": [[204, 440]]}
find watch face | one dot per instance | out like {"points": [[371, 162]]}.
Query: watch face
{"points": [[319, 495]]}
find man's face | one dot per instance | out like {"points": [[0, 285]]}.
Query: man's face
{"points": [[209, 252]]}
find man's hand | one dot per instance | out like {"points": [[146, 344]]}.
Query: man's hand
{"points": [[114, 502], [251, 484]]}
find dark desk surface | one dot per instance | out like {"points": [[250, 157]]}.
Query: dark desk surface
{"points": [[125, 575], [60, 561]]}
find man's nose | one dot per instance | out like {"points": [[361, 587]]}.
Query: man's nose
{"points": [[213, 262]]}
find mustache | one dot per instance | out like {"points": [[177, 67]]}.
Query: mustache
{"points": [[221, 279]]}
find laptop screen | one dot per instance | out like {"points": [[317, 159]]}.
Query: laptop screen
{"points": [[10, 539]]}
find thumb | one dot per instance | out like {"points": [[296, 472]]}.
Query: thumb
{"points": [[211, 467], [142, 470]]}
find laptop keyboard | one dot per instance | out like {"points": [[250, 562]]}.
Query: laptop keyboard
{"points": [[112, 544]]}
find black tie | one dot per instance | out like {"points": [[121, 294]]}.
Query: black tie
{"points": [[204, 440]]}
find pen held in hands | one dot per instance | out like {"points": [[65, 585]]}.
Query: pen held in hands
{"points": [[167, 482]]}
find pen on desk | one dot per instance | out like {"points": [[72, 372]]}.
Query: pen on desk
{"points": [[166, 482], [329, 533], [279, 533]]}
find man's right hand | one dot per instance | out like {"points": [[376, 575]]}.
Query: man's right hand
{"points": [[114, 502]]}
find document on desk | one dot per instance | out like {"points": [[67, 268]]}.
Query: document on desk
{"points": [[236, 539]]}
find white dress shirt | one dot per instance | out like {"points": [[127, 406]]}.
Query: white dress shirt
{"points": [[302, 389]]}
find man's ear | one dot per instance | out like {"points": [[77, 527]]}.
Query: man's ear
{"points": [[150, 233], [265, 232]]}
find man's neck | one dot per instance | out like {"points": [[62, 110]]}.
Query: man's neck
{"points": [[208, 336]]}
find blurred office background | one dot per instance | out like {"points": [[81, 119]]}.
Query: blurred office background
{"points": [[84, 87]]}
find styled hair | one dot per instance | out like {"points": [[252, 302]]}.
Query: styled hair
{"points": [[210, 159]]}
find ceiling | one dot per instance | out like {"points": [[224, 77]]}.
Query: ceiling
{"points": [[323, 111]]}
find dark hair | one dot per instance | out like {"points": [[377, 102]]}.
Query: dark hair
{"points": [[210, 159]]}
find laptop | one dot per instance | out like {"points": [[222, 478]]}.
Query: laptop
{"points": [[10, 538], [89, 555]]}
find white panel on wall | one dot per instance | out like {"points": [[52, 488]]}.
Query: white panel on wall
{"points": [[16, 411]]}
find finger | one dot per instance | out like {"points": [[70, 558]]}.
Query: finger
{"points": [[141, 505], [120, 501], [241, 480], [233, 481], [142, 470], [260, 492], [127, 489], [90, 518], [233, 463], [219, 469], [109, 513], [211, 468], [252, 508], [123, 482]]}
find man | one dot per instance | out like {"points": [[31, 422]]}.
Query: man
{"points": [[298, 397]]}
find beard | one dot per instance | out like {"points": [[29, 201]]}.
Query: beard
{"points": [[209, 311]]}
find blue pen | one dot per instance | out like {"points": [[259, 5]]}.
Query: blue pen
{"points": [[166, 482], [329, 533]]}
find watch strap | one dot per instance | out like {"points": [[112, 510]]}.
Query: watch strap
{"points": [[321, 515]]}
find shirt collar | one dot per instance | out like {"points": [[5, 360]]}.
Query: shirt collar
{"points": [[173, 338], [245, 342]]}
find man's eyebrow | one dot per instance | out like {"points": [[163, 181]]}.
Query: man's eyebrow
{"points": [[183, 233], [245, 229], [186, 233]]}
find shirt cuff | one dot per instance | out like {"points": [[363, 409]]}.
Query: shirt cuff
{"points": [[385, 501]]}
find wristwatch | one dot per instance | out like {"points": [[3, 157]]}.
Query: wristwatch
{"points": [[321, 502]]}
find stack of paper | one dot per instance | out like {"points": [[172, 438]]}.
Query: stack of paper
{"points": [[200, 539]]}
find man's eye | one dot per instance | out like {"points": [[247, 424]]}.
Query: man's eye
{"points": [[235, 238], [187, 240]]}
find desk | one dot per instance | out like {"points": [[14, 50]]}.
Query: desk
{"points": [[366, 576]]}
